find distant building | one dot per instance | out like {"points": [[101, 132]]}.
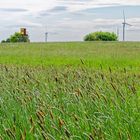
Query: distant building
{"points": [[23, 31]]}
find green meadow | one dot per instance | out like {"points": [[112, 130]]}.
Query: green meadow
{"points": [[70, 91], [93, 54]]}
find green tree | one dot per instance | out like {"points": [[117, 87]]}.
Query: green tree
{"points": [[17, 37], [3, 41], [7, 40], [101, 36]]}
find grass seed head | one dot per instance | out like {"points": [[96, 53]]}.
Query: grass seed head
{"points": [[61, 123]]}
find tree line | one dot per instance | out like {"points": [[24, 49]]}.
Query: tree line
{"points": [[95, 36], [16, 37]]}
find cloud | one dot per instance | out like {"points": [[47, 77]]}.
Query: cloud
{"points": [[58, 9], [94, 25], [85, 4], [67, 19], [72, 5], [12, 10], [54, 10], [26, 24]]}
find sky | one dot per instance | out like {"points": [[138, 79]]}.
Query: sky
{"points": [[68, 20]]}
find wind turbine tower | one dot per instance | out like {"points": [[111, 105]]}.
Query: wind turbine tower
{"points": [[46, 37], [46, 34], [118, 32], [124, 26]]}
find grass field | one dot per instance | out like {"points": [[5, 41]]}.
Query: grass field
{"points": [[93, 54], [70, 91]]}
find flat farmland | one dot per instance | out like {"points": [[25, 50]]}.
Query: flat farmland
{"points": [[70, 91], [93, 54]]}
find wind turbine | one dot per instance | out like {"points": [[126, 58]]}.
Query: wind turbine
{"points": [[124, 25], [46, 35]]}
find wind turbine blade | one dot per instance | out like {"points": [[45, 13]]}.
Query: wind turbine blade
{"points": [[124, 16], [128, 24]]}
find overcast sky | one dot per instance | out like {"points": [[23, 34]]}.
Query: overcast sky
{"points": [[68, 20]]}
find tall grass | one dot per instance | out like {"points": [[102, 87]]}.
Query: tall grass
{"points": [[69, 103]]}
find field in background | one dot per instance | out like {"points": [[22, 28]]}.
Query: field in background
{"points": [[93, 54], [70, 91]]}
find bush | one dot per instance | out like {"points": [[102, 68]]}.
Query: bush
{"points": [[3, 41], [101, 36], [17, 37]]}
